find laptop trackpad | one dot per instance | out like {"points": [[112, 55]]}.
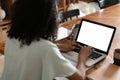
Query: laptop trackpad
{"points": [[94, 58]]}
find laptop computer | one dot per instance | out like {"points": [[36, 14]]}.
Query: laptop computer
{"points": [[97, 35]]}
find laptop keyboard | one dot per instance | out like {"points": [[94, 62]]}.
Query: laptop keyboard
{"points": [[94, 55]]}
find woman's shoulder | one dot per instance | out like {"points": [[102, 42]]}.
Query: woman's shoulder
{"points": [[46, 42]]}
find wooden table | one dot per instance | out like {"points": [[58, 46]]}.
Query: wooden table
{"points": [[109, 16], [105, 72]]}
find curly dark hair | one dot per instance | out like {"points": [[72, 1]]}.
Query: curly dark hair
{"points": [[33, 20]]}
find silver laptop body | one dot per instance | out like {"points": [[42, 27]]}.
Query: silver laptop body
{"points": [[97, 35]]}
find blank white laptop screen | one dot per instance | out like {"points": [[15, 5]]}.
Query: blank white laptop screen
{"points": [[95, 35]]}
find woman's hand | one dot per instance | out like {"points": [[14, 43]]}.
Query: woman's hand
{"points": [[66, 45], [84, 53]]}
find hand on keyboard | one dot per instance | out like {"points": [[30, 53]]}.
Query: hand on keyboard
{"points": [[84, 53]]}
